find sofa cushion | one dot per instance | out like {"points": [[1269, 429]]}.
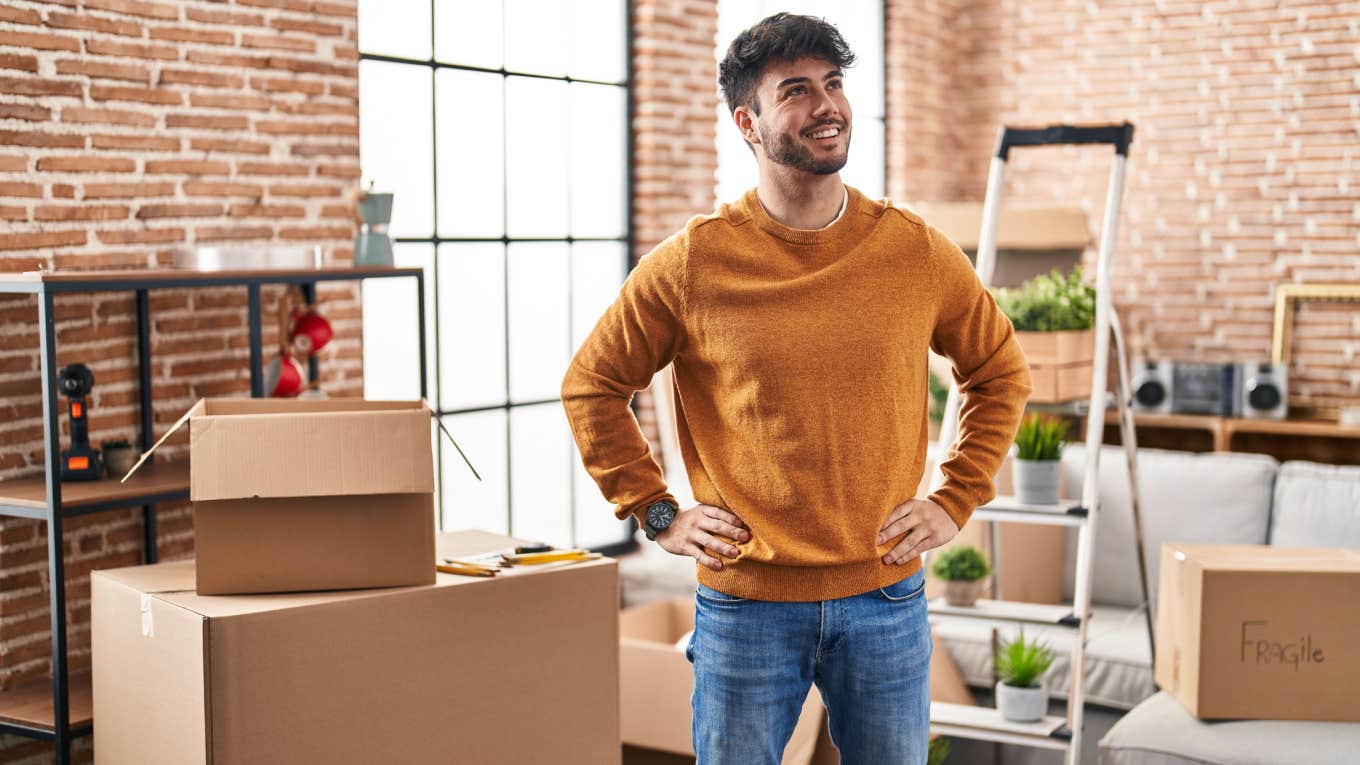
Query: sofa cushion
{"points": [[1160, 732], [1219, 498], [1118, 660], [1316, 506]]}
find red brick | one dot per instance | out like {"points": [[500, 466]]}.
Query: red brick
{"points": [[80, 212], [226, 18], [131, 50], [20, 189], [80, 164], [106, 116], [288, 85], [94, 23], [179, 210], [307, 128], [18, 61], [267, 211], [44, 140], [319, 28], [228, 145], [135, 8], [217, 58], [128, 190], [207, 121], [188, 167], [63, 191], [184, 34], [20, 15], [334, 9], [37, 86], [312, 107], [210, 189], [13, 212], [302, 190], [338, 171], [149, 143], [24, 112], [316, 232], [279, 42], [229, 101], [345, 212], [311, 65], [38, 239], [38, 41], [199, 77], [226, 233], [104, 70], [272, 168], [343, 90], [322, 150], [141, 236], [344, 52], [292, 5], [143, 95]]}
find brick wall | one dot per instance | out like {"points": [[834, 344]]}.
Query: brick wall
{"points": [[1243, 172], [129, 128], [675, 155]]}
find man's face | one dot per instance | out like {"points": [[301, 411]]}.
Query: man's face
{"points": [[805, 119]]}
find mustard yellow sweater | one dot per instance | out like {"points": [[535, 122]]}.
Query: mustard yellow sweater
{"points": [[801, 387]]}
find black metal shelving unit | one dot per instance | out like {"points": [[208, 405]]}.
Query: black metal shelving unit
{"points": [[24, 710]]}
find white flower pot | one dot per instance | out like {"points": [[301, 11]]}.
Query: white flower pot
{"points": [[1036, 481], [1022, 704]]}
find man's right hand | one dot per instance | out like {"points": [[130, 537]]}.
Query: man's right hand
{"points": [[695, 532]]}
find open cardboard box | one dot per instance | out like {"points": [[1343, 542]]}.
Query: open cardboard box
{"points": [[522, 668], [1260, 633], [302, 495]]}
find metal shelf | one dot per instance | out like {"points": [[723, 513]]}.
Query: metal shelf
{"points": [[987, 724], [26, 708], [153, 484], [1008, 612]]}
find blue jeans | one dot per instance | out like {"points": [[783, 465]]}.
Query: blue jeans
{"points": [[869, 655]]}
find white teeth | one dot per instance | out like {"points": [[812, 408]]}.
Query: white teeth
{"points": [[827, 133]]}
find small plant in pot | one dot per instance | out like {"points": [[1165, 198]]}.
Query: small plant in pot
{"points": [[119, 457], [1020, 692], [1037, 465], [964, 572]]}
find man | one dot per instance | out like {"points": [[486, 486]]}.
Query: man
{"points": [[798, 320]]}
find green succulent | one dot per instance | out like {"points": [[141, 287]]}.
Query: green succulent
{"points": [[939, 750], [962, 563], [1040, 437], [1020, 663], [1049, 303], [939, 394]]}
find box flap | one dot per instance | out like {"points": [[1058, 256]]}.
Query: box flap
{"points": [[1267, 558], [327, 452], [194, 411], [226, 406]]}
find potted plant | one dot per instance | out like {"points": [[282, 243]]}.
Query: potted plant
{"points": [[1036, 467], [1020, 666], [938, 752], [1053, 317], [964, 572], [119, 456]]}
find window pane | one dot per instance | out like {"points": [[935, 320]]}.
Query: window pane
{"points": [[467, 502], [391, 349], [471, 325], [595, 522], [864, 171], [534, 38], [395, 28], [468, 33], [396, 141], [537, 149], [471, 153], [539, 329], [597, 270], [598, 153], [540, 454], [598, 44]]}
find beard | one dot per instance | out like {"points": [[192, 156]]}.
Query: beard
{"points": [[785, 149]]}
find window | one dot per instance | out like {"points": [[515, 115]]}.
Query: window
{"points": [[861, 24], [501, 127]]}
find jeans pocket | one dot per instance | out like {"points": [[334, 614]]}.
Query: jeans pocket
{"points": [[713, 596], [911, 588]]}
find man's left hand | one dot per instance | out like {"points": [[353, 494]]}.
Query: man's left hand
{"points": [[925, 524]]}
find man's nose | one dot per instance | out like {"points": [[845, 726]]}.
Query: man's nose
{"points": [[826, 105]]}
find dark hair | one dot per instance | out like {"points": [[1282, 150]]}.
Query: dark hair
{"points": [[784, 37]]}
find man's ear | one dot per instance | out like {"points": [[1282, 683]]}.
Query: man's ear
{"points": [[745, 120]]}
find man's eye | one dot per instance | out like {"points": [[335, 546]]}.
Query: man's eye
{"points": [[797, 91], [837, 84]]}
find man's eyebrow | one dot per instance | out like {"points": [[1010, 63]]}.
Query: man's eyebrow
{"points": [[792, 80]]}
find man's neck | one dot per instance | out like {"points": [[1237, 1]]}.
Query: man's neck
{"points": [[801, 200]]}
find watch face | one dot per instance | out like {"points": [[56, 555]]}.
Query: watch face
{"points": [[660, 515]]}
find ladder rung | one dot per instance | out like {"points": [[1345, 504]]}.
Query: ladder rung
{"points": [[987, 724], [1009, 611]]}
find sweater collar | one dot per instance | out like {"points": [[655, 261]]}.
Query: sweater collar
{"points": [[837, 228]]}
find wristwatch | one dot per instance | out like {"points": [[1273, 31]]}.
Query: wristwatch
{"points": [[660, 516]]}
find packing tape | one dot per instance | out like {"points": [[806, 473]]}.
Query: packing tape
{"points": [[148, 626]]}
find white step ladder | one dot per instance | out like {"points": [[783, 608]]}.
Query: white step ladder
{"points": [[1058, 733]]}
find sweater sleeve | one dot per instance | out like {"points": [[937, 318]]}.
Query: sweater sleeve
{"points": [[992, 375], [639, 334]]}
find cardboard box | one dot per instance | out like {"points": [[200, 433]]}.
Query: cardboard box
{"points": [[1256, 632], [657, 682], [304, 495], [522, 668]]}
